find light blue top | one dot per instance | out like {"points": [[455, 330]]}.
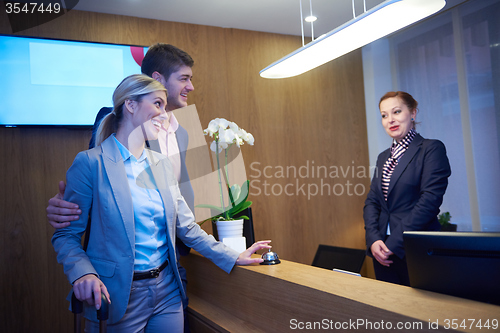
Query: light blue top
{"points": [[149, 214]]}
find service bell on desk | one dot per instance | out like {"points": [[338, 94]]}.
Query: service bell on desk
{"points": [[270, 258]]}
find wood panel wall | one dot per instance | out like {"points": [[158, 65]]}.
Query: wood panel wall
{"points": [[313, 120]]}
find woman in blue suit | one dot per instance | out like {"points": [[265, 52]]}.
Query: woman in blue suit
{"points": [[407, 188], [136, 211]]}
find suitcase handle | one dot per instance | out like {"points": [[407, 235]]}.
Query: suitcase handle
{"points": [[102, 313]]}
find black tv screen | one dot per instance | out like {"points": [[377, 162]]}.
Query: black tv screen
{"points": [[463, 264], [48, 82]]}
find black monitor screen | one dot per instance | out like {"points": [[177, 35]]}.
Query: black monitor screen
{"points": [[463, 264], [333, 257]]}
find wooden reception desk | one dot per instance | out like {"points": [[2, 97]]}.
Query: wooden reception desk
{"points": [[294, 297]]}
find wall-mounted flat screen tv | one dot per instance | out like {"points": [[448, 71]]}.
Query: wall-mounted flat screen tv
{"points": [[47, 82]]}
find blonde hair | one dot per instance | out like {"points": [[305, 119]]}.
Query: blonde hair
{"points": [[133, 87]]}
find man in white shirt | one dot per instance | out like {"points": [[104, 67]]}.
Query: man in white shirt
{"points": [[173, 68]]}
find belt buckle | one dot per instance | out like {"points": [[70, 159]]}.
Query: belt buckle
{"points": [[155, 273]]}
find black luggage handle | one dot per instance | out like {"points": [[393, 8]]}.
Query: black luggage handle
{"points": [[102, 313]]}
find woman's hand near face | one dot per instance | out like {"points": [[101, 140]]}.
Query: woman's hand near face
{"points": [[245, 257], [381, 253], [88, 289]]}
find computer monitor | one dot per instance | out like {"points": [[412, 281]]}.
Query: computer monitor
{"points": [[341, 258], [463, 264]]}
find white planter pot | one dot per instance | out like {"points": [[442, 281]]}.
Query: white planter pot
{"points": [[231, 234], [229, 229]]}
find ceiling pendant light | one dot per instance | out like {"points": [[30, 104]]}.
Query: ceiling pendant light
{"points": [[388, 17]]}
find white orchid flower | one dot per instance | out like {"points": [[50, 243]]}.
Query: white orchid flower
{"points": [[213, 147], [222, 146], [239, 141], [222, 123], [224, 134], [227, 136], [250, 139], [234, 127], [212, 128]]}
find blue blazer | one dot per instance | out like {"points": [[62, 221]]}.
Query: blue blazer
{"points": [[182, 140], [415, 194], [97, 182], [185, 183]]}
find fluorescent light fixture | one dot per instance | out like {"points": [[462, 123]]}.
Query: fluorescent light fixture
{"points": [[388, 17]]}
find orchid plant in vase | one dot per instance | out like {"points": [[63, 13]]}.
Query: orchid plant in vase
{"points": [[225, 134]]}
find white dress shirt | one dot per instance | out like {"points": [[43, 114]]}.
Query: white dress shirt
{"points": [[169, 146]]}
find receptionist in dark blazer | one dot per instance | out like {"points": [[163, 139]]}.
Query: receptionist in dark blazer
{"points": [[407, 188]]}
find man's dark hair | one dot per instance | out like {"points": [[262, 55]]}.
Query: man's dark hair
{"points": [[165, 59]]}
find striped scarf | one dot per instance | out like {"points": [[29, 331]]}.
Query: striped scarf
{"points": [[397, 151]]}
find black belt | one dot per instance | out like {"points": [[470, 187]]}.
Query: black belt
{"points": [[153, 273]]}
